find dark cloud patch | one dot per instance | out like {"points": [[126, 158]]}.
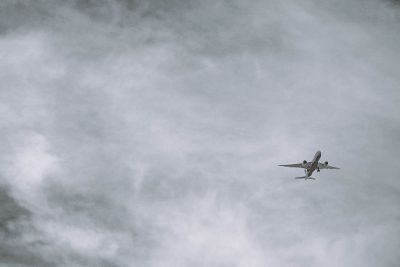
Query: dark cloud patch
{"points": [[15, 220], [11, 211]]}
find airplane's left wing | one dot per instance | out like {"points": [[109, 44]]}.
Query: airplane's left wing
{"points": [[297, 165], [323, 166]]}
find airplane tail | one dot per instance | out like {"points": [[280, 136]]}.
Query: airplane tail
{"points": [[305, 177]]}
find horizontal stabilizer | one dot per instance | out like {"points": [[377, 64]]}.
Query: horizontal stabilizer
{"points": [[305, 177]]}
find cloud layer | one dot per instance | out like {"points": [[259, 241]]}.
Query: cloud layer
{"points": [[147, 133]]}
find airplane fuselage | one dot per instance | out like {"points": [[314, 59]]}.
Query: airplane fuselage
{"points": [[314, 164]]}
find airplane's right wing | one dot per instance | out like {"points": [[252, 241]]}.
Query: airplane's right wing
{"points": [[323, 166], [297, 165]]}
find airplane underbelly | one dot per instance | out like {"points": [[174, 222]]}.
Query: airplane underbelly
{"points": [[312, 168]]}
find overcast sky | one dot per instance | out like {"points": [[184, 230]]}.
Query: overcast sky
{"points": [[148, 133]]}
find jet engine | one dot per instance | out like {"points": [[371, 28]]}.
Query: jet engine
{"points": [[304, 163], [326, 163]]}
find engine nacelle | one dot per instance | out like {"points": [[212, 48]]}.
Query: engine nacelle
{"points": [[305, 163], [326, 163]]}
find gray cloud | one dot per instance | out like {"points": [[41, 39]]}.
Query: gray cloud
{"points": [[148, 133]]}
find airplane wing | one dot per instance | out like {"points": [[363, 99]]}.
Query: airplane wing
{"points": [[323, 166], [297, 165]]}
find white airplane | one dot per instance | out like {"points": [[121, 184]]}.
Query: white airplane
{"points": [[310, 167]]}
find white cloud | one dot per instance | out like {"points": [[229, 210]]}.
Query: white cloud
{"points": [[31, 163]]}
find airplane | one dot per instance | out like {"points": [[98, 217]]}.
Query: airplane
{"points": [[310, 167]]}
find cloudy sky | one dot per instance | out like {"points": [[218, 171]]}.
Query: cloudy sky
{"points": [[148, 133]]}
